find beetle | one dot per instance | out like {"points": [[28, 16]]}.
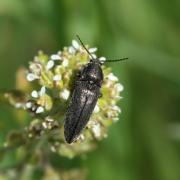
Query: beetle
{"points": [[84, 97]]}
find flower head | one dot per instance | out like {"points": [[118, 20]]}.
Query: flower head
{"points": [[52, 79]]}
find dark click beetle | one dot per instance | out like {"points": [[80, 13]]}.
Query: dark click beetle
{"points": [[86, 92]]}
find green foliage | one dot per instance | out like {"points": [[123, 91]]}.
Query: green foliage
{"points": [[145, 143]]}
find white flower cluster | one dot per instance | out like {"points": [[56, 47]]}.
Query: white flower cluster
{"points": [[53, 72], [54, 75]]}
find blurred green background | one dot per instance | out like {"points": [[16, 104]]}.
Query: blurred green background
{"points": [[145, 143]]}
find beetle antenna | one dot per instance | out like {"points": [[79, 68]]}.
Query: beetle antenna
{"points": [[84, 47], [115, 60]]}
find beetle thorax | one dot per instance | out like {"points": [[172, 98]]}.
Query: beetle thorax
{"points": [[92, 72]]}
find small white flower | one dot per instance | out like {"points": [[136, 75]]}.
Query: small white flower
{"points": [[116, 108], [28, 105], [93, 50], [18, 105], [31, 77], [59, 53], [30, 135], [36, 58], [112, 77], [49, 119], [50, 64], [39, 110], [102, 59], [65, 62], [82, 137], [44, 125], [36, 68], [65, 94], [93, 55], [119, 87], [72, 50], [34, 94], [55, 57], [42, 91], [96, 109], [97, 130], [108, 83], [57, 77], [75, 44], [33, 108], [115, 119], [53, 149], [110, 114]]}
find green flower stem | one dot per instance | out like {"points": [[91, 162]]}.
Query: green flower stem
{"points": [[30, 146]]}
